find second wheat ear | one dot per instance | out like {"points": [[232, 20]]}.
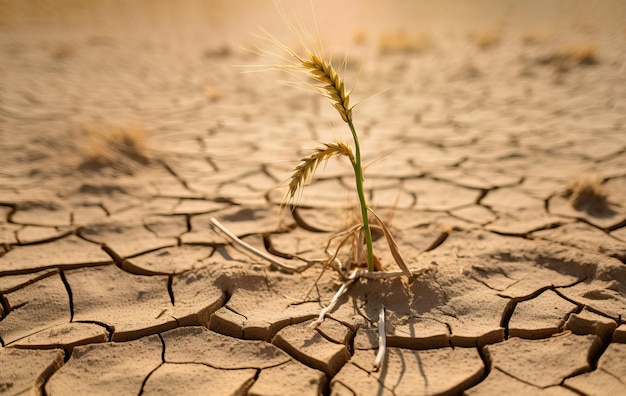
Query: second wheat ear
{"points": [[323, 79]]}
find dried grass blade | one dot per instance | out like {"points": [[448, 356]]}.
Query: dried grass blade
{"points": [[253, 250], [348, 234], [393, 246], [378, 266], [385, 274]]}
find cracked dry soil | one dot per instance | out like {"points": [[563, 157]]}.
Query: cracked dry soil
{"points": [[114, 281]]}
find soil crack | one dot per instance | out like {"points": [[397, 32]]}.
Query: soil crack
{"points": [[145, 380], [440, 239], [171, 171], [45, 240], [369, 373], [69, 294], [487, 363], [109, 329], [170, 291]]}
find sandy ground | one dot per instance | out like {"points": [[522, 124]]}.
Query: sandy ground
{"points": [[496, 153]]}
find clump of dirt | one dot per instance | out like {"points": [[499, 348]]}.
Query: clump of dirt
{"points": [[586, 194]]}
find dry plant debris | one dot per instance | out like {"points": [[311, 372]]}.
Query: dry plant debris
{"points": [[360, 37], [536, 37], [586, 194], [485, 39], [402, 42], [572, 55], [212, 93], [122, 148]]}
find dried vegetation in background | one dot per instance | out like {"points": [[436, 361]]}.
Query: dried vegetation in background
{"points": [[121, 148]]}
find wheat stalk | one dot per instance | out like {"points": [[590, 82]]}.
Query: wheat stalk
{"points": [[309, 164], [330, 85]]}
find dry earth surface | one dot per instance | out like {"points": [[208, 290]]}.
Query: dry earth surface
{"points": [[497, 154]]}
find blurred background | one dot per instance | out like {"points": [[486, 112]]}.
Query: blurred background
{"points": [[224, 20], [449, 67]]}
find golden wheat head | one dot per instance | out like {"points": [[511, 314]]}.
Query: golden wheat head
{"points": [[329, 83], [332, 86], [307, 166]]}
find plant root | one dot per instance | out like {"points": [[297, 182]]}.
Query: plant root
{"points": [[382, 340], [344, 287], [354, 276]]}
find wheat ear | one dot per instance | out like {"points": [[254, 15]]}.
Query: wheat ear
{"points": [[332, 86], [309, 164]]}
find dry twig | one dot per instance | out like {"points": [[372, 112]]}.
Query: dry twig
{"points": [[276, 263]]}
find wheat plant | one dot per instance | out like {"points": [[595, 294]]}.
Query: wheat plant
{"points": [[320, 76], [328, 83]]}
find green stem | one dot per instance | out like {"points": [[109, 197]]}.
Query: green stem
{"points": [[358, 172]]}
